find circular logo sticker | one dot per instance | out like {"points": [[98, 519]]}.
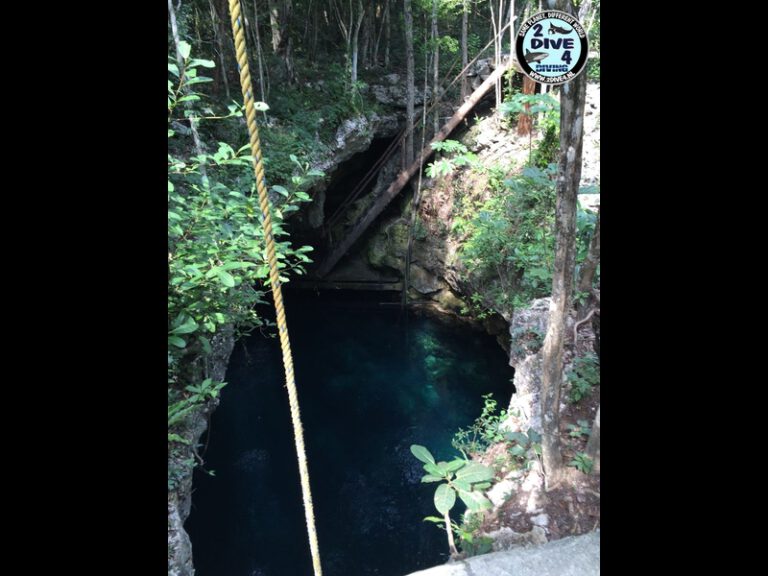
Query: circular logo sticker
{"points": [[552, 47]]}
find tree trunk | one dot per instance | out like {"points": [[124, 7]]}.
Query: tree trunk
{"points": [[593, 446], [382, 27], [387, 34], [274, 23], [409, 86], [435, 68], [219, 32], [496, 49], [280, 21], [355, 37], [588, 269], [259, 57], [573, 97], [524, 121], [368, 23], [464, 50], [511, 39], [451, 543]]}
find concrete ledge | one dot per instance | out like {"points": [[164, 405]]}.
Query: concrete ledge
{"points": [[574, 556]]}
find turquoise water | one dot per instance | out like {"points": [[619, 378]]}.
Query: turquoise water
{"points": [[372, 381]]}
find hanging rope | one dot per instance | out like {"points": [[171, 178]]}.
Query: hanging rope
{"points": [[274, 276]]}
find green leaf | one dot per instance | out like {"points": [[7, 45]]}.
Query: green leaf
{"points": [[173, 69], [533, 435], [184, 49], [187, 327], [475, 501], [177, 341], [237, 265], [445, 498], [225, 278], [431, 478], [518, 437], [170, 186], [177, 438], [475, 472], [432, 469], [203, 63], [455, 465], [220, 318], [422, 454], [280, 190], [462, 485], [435, 519]]}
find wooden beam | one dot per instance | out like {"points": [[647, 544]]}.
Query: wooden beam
{"points": [[346, 285], [386, 197]]}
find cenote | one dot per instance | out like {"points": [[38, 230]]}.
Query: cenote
{"points": [[372, 381]]}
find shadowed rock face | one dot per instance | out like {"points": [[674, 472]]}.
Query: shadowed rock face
{"points": [[575, 556]]}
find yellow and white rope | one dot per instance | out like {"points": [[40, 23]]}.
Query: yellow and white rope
{"points": [[274, 276]]}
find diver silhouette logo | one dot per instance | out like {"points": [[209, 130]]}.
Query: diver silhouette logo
{"points": [[535, 56], [555, 30]]}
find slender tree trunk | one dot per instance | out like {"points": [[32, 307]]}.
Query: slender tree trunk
{"points": [[435, 68], [511, 38], [382, 27], [593, 445], [219, 33], [409, 86], [496, 55], [315, 28], [355, 37], [451, 543], [524, 122], [464, 50], [257, 41], [387, 35], [274, 23], [573, 97], [280, 15], [365, 48], [588, 269]]}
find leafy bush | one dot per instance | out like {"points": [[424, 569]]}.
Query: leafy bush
{"points": [[509, 239], [581, 428], [484, 432], [549, 108], [217, 266], [443, 165], [461, 477], [582, 463], [583, 376]]}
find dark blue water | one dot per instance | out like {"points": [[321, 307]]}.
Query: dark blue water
{"points": [[372, 381]]}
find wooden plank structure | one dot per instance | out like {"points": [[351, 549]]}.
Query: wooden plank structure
{"points": [[378, 206]]}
